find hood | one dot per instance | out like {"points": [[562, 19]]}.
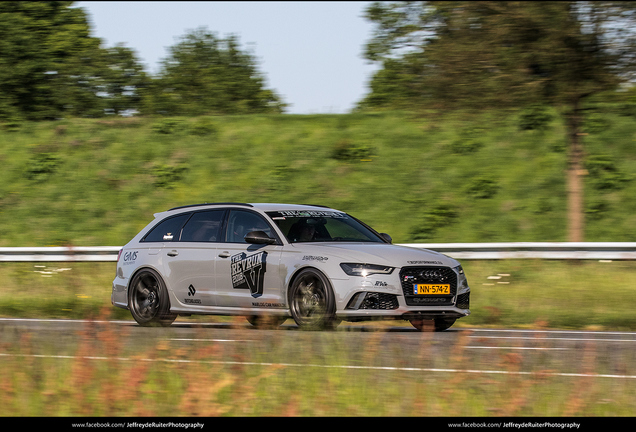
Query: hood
{"points": [[377, 253]]}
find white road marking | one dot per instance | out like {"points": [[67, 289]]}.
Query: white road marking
{"points": [[515, 348], [211, 340], [547, 331], [375, 368], [553, 338]]}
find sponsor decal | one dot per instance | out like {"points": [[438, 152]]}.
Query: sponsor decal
{"points": [[311, 213], [268, 305], [248, 272], [380, 284], [424, 262], [314, 258], [191, 292], [130, 257]]}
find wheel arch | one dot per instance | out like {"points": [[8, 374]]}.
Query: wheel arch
{"points": [[294, 275], [139, 270]]}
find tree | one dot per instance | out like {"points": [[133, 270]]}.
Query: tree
{"points": [[124, 81], [489, 53], [50, 66], [47, 60], [207, 75]]}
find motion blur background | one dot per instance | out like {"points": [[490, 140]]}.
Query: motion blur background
{"points": [[431, 121], [468, 121]]}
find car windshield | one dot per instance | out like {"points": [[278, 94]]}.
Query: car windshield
{"points": [[322, 226]]}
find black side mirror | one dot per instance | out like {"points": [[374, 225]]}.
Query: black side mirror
{"points": [[386, 237], [259, 237]]}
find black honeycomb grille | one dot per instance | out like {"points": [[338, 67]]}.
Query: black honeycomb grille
{"points": [[463, 301], [409, 276], [379, 301]]}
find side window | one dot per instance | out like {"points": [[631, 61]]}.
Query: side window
{"points": [[167, 230], [241, 222], [203, 227]]}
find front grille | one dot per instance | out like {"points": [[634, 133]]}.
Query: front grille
{"points": [[430, 275], [463, 301], [379, 301]]}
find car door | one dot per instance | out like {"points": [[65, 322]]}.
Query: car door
{"points": [[247, 275], [190, 261]]}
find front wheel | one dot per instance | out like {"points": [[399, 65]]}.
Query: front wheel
{"points": [[148, 300], [311, 301], [438, 324]]}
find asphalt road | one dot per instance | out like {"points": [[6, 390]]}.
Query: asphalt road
{"points": [[607, 355]]}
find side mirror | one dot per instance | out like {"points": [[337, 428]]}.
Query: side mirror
{"points": [[386, 237], [259, 237]]}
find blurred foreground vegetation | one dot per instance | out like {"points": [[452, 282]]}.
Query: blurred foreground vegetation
{"points": [[428, 177], [102, 375]]}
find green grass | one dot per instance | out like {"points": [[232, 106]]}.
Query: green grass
{"points": [[452, 178], [507, 293]]}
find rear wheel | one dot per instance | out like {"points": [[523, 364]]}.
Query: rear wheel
{"points": [[311, 301], [438, 324], [148, 300]]}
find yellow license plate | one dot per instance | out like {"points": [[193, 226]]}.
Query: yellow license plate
{"points": [[431, 289]]}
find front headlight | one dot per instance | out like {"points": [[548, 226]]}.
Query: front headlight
{"points": [[353, 269], [462, 282]]}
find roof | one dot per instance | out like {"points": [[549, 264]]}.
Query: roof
{"points": [[266, 207]]}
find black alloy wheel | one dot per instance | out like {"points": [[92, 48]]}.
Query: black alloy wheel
{"points": [[311, 301], [148, 300]]}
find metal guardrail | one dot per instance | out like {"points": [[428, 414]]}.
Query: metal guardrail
{"points": [[485, 251], [59, 254], [555, 251]]}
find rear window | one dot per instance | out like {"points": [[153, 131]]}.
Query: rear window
{"points": [[167, 230]]}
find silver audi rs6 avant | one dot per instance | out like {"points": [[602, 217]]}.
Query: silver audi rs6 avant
{"points": [[271, 262]]}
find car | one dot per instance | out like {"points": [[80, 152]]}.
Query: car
{"points": [[271, 262]]}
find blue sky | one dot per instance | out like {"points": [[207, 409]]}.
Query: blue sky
{"points": [[309, 52]]}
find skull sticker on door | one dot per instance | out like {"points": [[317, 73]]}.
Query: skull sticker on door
{"points": [[248, 272]]}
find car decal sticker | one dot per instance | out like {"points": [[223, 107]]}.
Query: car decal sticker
{"points": [[248, 272], [191, 292]]}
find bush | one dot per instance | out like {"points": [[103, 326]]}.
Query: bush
{"points": [[535, 117], [168, 126], [345, 150], [167, 175], [483, 187], [596, 123], [42, 165], [437, 217], [604, 174], [203, 127]]}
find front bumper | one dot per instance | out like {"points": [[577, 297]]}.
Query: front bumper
{"points": [[390, 296]]}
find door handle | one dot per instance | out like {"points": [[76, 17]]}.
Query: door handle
{"points": [[224, 254], [173, 253]]}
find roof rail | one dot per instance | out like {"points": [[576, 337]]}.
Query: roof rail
{"points": [[207, 204], [316, 205]]}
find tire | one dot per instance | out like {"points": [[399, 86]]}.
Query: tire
{"points": [[311, 301], [266, 321], [438, 324], [148, 300]]}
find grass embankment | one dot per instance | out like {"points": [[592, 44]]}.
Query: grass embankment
{"points": [[453, 178]]}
